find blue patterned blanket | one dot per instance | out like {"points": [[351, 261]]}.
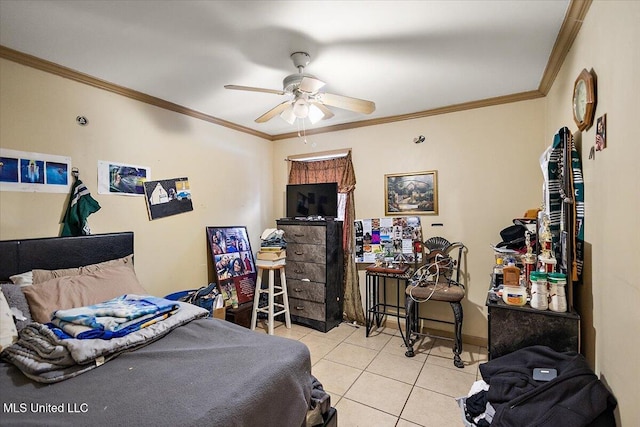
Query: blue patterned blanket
{"points": [[111, 319]]}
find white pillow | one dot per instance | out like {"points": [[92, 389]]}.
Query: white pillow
{"points": [[22, 279], [8, 332]]}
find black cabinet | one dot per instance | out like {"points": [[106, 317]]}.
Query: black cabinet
{"points": [[314, 272], [514, 327]]}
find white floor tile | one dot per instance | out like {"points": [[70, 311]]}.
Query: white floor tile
{"points": [[401, 368], [380, 392], [447, 381], [354, 414], [372, 382], [431, 409], [352, 355], [335, 377]]}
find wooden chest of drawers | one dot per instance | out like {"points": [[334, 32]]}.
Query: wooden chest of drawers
{"points": [[314, 272]]}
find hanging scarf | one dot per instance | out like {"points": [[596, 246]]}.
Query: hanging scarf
{"points": [[81, 205], [553, 198]]}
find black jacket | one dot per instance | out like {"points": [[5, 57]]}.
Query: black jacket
{"points": [[575, 398]]}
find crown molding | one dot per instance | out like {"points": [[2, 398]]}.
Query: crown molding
{"points": [[569, 30], [506, 99], [68, 73]]}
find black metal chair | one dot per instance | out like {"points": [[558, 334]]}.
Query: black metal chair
{"points": [[438, 279]]}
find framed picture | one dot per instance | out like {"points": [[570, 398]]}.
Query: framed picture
{"points": [[413, 193], [234, 266], [601, 133]]}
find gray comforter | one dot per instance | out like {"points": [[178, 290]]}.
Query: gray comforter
{"points": [[207, 372], [45, 358]]}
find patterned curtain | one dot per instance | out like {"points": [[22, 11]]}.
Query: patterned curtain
{"points": [[338, 170]]}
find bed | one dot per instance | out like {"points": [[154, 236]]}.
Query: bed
{"points": [[205, 372]]}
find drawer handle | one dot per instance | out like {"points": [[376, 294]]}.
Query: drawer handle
{"points": [[299, 271], [298, 235], [298, 252], [297, 289], [299, 307]]}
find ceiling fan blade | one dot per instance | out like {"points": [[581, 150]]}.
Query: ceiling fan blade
{"points": [[327, 112], [347, 103], [273, 112], [310, 84], [254, 89]]}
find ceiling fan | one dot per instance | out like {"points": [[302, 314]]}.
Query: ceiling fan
{"points": [[306, 100]]}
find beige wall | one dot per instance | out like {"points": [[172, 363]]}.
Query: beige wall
{"points": [[488, 174], [609, 300], [230, 173], [487, 162]]}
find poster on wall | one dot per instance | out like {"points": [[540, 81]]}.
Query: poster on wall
{"points": [[387, 239], [234, 266], [122, 179], [168, 197], [34, 172]]}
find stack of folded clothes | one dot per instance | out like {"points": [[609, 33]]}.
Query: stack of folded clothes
{"points": [[111, 319]]}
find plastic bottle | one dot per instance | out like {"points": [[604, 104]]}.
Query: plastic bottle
{"points": [[498, 275], [511, 275], [539, 294], [557, 296]]}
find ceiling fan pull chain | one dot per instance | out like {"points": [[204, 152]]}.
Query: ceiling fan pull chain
{"points": [[304, 131]]}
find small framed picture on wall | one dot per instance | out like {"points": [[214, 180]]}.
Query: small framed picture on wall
{"points": [[601, 133]]}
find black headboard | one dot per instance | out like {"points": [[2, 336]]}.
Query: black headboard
{"points": [[52, 253]]}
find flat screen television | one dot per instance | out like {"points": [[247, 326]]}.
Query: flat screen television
{"points": [[305, 200]]}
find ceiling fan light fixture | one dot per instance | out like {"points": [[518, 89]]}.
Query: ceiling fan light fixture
{"points": [[301, 108], [315, 114], [288, 116], [305, 99]]}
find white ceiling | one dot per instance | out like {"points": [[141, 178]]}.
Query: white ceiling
{"points": [[406, 56]]}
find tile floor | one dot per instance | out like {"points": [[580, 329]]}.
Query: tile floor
{"points": [[372, 383]]}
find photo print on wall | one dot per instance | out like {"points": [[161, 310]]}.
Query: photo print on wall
{"points": [[168, 197], [34, 172], [122, 179]]}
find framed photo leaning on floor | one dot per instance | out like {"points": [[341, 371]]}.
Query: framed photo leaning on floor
{"points": [[233, 264]]}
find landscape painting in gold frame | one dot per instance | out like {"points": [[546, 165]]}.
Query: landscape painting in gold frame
{"points": [[414, 193]]}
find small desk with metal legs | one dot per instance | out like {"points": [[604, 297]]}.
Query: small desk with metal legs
{"points": [[376, 304]]}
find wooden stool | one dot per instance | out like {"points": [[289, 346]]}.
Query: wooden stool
{"points": [[271, 290]]}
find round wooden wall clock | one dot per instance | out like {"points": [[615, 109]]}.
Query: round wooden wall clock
{"points": [[584, 100]]}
